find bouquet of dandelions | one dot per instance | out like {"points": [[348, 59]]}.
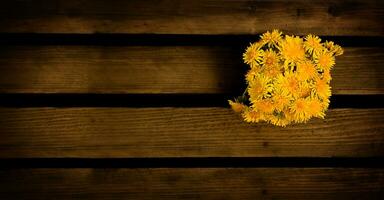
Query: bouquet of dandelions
{"points": [[288, 80]]}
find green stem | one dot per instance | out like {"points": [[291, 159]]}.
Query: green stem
{"points": [[245, 91]]}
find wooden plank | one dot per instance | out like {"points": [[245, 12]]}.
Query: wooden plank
{"points": [[89, 69], [166, 69], [195, 183], [359, 71], [341, 17], [183, 132]]}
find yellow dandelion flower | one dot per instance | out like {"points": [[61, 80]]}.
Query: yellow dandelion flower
{"points": [[271, 38], [236, 106], [322, 88], [327, 76], [288, 114], [260, 87], [250, 115], [263, 105], [324, 60], [300, 110], [333, 48], [306, 70], [315, 108], [329, 45], [337, 50], [312, 44], [252, 55], [304, 89], [280, 101], [279, 119], [269, 58], [252, 73], [272, 71], [292, 49], [325, 104], [289, 84]]}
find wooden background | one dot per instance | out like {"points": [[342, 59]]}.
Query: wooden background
{"points": [[127, 99]]}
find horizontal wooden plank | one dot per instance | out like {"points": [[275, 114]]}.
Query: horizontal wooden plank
{"points": [[89, 69], [359, 71], [165, 69], [183, 132], [195, 183], [341, 17]]}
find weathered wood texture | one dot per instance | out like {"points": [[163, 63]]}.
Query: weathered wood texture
{"points": [[341, 17], [183, 132], [166, 69], [92, 132], [165, 183]]}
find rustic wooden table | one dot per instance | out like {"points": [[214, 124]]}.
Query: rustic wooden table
{"points": [[127, 99]]}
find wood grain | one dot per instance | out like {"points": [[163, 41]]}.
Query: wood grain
{"points": [[359, 71], [183, 132], [166, 69], [341, 17], [90, 69], [211, 183]]}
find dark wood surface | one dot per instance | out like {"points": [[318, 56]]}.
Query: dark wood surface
{"points": [[183, 132], [53, 52], [197, 183], [341, 17], [160, 69]]}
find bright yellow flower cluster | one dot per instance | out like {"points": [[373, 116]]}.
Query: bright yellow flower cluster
{"points": [[288, 80]]}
